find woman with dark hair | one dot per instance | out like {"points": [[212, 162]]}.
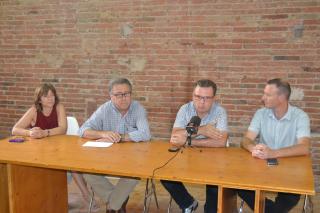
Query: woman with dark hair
{"points": [[45, 118]]}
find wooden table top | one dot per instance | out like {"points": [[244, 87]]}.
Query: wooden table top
{"points": [[228, 167], [236, 168]]}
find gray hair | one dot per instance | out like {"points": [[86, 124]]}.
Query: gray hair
{"points": [[117, 81]]}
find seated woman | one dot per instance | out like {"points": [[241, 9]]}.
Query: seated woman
{"points": [[46, 117]]}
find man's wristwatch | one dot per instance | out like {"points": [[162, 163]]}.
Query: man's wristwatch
{"points": [[48, 131]]}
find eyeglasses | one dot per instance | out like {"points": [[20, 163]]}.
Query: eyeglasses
{"points": [[122, 95], [202, 98]]}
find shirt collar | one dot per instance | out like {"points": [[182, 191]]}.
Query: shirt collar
{"points": [[287, 116], [116, 109], [212, 109]]}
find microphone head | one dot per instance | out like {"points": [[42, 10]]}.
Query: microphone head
{"points": [[194, 123]]}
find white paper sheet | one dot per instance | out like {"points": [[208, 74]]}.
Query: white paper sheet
{"points": [[97, 144]]}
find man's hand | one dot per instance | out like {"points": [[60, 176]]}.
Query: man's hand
{"points": [[262, 151], [211, 132], [37, 132], [178, 138], [110, 136]]}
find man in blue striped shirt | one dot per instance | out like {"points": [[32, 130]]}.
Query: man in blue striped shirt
{"points": [[211, 133], [120, 119]]}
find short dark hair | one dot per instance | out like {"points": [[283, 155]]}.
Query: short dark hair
{"points": [[43, 91], [282, 85], [207, 83], [117, 81]]}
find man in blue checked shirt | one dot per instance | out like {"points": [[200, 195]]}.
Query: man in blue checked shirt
{"points": [[211, 133], [120, 119], [283, 130]]}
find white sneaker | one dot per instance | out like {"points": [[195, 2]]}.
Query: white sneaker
{"points": [[191, 208]]}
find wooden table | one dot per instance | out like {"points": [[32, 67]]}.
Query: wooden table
{"points": [[33, 173], [235, 168]]}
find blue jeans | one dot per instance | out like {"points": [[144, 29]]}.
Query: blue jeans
{"points": [[283, 203], [182, 197]]}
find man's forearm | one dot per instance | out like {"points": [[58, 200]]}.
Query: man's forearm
{"points": [[208, 142], [139, 135], [296, 150], [92, 134], [247, 144]]}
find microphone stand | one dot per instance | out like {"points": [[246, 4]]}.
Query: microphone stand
{"points": [[189, 139]]}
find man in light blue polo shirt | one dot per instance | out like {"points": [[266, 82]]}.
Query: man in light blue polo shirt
{"points": [[211, 133], [283, 131]]}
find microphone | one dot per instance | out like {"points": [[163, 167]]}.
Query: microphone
{"points": [[192, 127]]}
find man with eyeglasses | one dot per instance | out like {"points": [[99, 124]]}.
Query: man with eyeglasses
{"points": [[211, 133], [118, 120]]}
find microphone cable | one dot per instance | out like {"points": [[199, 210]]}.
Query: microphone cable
{"points": [[168, 161], [153, 188]]}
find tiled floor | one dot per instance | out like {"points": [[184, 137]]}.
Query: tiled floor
{"points": [[136, 200]]}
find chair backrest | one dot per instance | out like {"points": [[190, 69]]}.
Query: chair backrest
{"points": [[228, 142], [73, 126]]}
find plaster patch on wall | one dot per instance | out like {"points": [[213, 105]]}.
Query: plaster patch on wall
{"points": [[123, 61], [133, 64], [126, 30], [138, 64], [53, 61], [297, 94], [88, 46]]}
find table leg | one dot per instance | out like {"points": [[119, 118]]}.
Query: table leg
{"points": [[259, 201], [227, 200], [4, 195], [32, 189]]}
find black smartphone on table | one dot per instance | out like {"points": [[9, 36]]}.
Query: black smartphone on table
{"points": [[272, 161], [174, 149]]}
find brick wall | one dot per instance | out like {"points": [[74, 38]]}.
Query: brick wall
{"points": [[162, 46]]}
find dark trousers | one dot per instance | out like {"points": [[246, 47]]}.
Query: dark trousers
{"points": [[182, 197], [283, 203]]}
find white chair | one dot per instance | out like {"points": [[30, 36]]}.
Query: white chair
{"points": [[72, 129], [73, 126]]}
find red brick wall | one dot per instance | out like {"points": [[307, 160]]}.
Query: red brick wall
{"points": [[162, 46]]}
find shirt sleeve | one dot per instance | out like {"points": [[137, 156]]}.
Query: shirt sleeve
{"points": [[255, 125], [181, 121], [303, 126], [142, 130], [94, 122]]}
